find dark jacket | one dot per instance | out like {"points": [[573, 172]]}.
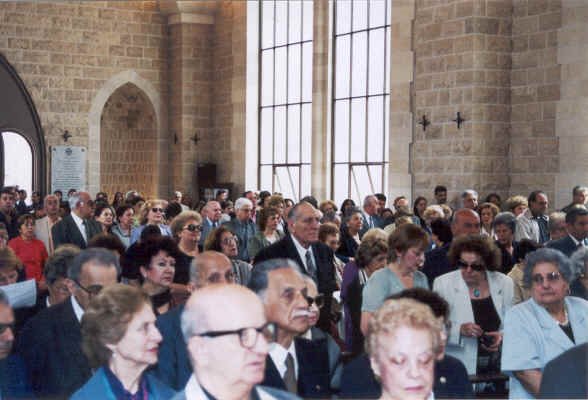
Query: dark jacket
{"points": [[437, 263], [12, 226], [348, 246], [50, 345], [451, 380], [66, 231], [508, 260], [566, 375], [14, 382], [323, 255], [566, 245]]}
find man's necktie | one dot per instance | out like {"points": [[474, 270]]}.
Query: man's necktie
{"points": [[290, 375], [85, 235], [311, 268]]}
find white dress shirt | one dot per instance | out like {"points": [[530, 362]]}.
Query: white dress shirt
{"points": [[302, 252], [78, 310], [80, 224], [278, 355]]}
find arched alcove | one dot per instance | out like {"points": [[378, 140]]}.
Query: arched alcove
{"points": [[128, 142], [20, 133]]}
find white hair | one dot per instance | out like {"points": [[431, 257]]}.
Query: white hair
{"points": [[242, 201], [73, 200]]}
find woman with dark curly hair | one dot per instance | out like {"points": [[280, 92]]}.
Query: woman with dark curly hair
{"points": [[478, 298], [418, 209], [120, 339], [223, 240]]}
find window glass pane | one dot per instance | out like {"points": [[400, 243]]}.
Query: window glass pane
{"points": [[387, 74], [375, 178], [293, 150], [360, 183], [286, 181], [358, 130], [280, 135], [18, 161], [305, 180], [389, 13], [306, 153], [377, 63], [341, 137], [281, 71], [376, 128], [307, 14], [294, 73], [377, 13], [281, 25], [343, 15], [342, 65], [267, 77], [265, 176], [359, 64], [267, 23], [295, 21], [307, 72], [386, 128], [360, 14], [340, 183], [266, 137]]}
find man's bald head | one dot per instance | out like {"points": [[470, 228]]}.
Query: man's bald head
{"points": [[210, 267], [212, 210], [465, 222]]}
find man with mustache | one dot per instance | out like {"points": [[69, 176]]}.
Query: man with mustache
{"points": [[295, 364]]}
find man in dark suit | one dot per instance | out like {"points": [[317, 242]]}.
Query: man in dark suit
{"points": [[465, 222], [297, 365], [50, 342], [370, 214], [577, 226], [579, 198], [173, 367], [212, 214], [564, 377], [242, 226], [78, 227], [314, 258], [7, 212]]}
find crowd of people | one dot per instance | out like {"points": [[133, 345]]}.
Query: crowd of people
{"points": [[266, 298]]}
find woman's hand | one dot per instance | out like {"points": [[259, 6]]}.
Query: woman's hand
{"points": [[470, 329], [496, 341]]}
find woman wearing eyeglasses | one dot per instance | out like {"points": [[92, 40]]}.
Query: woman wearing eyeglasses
{"points": [[120, 339], [268, 233], [478, 298], [546, 325], [223, 240], [152, 213]]}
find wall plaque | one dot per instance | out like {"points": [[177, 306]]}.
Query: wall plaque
{"points": [[68, 168]]}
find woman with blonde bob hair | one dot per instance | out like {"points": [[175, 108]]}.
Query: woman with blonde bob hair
{"points": [[404, 341], [120, 339], [152, 213]]}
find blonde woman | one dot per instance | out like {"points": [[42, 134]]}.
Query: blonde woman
{"points": [[152, 213]]}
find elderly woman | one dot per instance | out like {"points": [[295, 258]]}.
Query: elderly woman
{"points": [[152, 213], [157, 259], [370, 257], [403, 342], [268, 233], [488, 212], [124, 216], [223, 240], [406, 254], [543, 327], [277, 201], [104, 214], [329, 234], [579, 285], [31, 251], [478, 298], [186, 229], [504, 226], [349, 241], [517, 205], [120, 339]]}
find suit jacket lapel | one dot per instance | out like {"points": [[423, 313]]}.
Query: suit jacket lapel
{"points": [[293, 251], [75, 234], [272, 377], [553, 333]]}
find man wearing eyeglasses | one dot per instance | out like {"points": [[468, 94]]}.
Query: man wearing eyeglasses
{"points": [[227, 350], [78, 227], [50, 342], [242, 226], [297, 365], [577, 227], [212, 214]]}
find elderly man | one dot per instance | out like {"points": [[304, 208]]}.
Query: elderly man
{"points": [[173, 367], [44, 225], [242, 226], [78, 227], [577, 226], [465, 222], [295, 364], [534, 223], [301, 244], [212, 214], [51, 341], [370, 214], [227, 350], [469, 199], [177, 198], [579, 197], [7, 212]]}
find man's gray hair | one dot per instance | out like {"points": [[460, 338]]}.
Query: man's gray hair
{"points": [[367, 199], [193, 321], [4, 298], [73, 200], [465, 193], [96, 255], [507, 219], [242, 201], [259, 280], [547, 255], [556, 218], [579, 261], [579, 189]]}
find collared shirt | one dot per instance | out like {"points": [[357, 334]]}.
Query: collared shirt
{"points": [[302, 252], [578, 242], [194, 391], [78, 310], [80, 224], [279, 354]]}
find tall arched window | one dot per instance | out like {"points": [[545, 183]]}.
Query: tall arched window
{"points": [[361, 98], [17, 157], [285, 100]]}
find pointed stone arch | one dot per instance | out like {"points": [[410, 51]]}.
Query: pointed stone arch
{"points": [[94, 116]]}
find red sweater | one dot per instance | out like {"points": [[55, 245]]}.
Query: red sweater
{"points": [[33, 254]]}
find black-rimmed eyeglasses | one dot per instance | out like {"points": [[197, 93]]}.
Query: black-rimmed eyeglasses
{"points": [[247, 336], [193, 228], [92, 290]]}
